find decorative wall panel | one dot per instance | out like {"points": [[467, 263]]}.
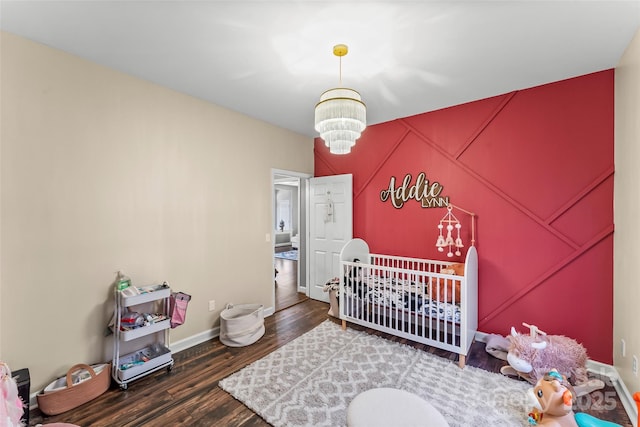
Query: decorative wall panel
{"points": [[536, 166]]}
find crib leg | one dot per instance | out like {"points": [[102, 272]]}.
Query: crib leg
{"points": [[462, 361], [344, 325]]}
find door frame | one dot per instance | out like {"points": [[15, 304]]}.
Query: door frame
{"points": [[303, 220]]}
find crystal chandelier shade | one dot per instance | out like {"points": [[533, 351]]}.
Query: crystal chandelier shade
{"points": [[340, 116]]}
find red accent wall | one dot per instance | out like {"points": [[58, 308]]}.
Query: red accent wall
{"points": [[536, 166]]}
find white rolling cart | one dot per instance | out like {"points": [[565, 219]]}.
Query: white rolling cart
{"points": [[145, 347]]}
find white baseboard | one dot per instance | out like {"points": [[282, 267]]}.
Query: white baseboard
{"points": [[481, 336], [603, 369], [626, 398], [193, 340], [629, 403], [207, 335]]}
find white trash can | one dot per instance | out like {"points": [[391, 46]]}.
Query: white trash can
{"points": [[241, 324]]}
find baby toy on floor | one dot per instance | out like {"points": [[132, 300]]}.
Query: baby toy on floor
{"points": [[554, 405], [530, 356]]}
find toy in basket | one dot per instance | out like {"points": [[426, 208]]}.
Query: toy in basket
{"points": [[81, 384], [241, 324]]}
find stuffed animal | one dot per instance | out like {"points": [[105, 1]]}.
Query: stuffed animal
{"points": [[533, 355], [11, 406], [439, 288], [554, 405]]}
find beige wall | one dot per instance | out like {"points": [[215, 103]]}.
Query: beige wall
{"points": [[627, 214], [102, 172]]}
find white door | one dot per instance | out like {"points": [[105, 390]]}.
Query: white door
{"points": [[330, 227]]}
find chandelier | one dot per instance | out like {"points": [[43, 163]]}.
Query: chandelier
{"points": [[341, 116]]}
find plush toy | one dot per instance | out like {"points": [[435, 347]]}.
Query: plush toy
{"points": [[11, 406], [531, 356], [438, 289], [554, 405]]}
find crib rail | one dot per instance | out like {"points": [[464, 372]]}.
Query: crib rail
{"points": [[406, 263], [409, 298]]}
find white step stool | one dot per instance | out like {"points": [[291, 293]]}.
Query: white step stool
{"points": [[384, 407]]}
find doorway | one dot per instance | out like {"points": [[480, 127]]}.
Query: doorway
{"points": [[289, 225]]}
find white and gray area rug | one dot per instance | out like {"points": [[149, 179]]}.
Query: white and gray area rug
{"points": [[311, 380]]}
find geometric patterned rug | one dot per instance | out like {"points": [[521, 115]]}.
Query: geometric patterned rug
{"points": [[311, 380]]}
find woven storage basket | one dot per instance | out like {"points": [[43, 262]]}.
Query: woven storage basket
{"points": [[74, 395], [241, 324]]}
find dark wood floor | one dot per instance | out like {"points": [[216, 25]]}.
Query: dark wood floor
{"points": [[286, 283], [189, 395]]}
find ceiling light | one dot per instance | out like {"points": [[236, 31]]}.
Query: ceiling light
{"points": [[341, 116]]}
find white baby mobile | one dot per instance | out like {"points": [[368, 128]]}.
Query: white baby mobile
{"points": [[450, 222]]}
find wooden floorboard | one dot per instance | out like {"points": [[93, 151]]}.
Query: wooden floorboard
{"points": [[286, 282], [189, 395]]}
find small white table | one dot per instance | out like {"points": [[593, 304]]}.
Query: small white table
{"points": [[386, 407]]}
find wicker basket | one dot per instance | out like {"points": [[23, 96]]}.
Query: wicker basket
{"points": [[74, 395]]}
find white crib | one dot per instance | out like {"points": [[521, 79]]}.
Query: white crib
{"points": [[410, 297]]}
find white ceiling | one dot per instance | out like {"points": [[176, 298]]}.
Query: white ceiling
{"points": [[272, 59]]}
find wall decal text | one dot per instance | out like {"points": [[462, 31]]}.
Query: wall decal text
{"points": [[428, 194]]}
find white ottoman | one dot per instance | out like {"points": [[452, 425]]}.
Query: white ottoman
{"points": [[386, 407]]}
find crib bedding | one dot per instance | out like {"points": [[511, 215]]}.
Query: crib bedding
{"points": [[395, 293]]}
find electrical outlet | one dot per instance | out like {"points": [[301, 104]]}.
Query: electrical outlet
{"points": [[212, 305], [623, 348], [634, 365]]}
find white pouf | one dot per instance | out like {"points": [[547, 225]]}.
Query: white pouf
{"points": [[386, 407]]}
